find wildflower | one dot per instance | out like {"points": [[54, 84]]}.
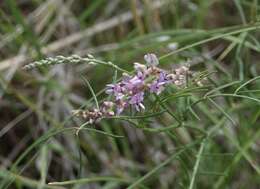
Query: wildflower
{"points": [[120, 106], [172, 77], [158, 85], [163, 78], [116, 90], [108, 104], [156, 88], [173, 46], [92, 116], [163, 38], [139, 67], [182, 70], [125, 77], [151, 59], [137, 100], [180, 75], [130, 91], [107, 108], [134, 84]]}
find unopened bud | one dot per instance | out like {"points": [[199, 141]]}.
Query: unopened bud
{"points": [[151, 59]]}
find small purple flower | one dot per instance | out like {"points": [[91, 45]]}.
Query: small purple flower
{"points": [[137, 100], [151, 59], [113, 88], [134, 84], [158, 85], [141, 75], [116, 89], [163, 77]]}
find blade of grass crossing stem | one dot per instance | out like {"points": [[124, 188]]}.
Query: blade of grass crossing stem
{"points": [[160, 166], [240, 41], [52, 132], [29, 34], [193, 113], [254, 11], [43, 164], [247, 157], [30, 183], [238, 56], [222, 87], [210, 173], [80, 155], [246, 83], [90, 10], [102, 132], [191, 109], [240, 10], [114, 82], [89, 180], [236, 96], [196, 166], [162, 129], [242, 151], [223, 111], [251, 91], [106, 127], [256, 42], [219, 183], [139, 117], [165, 107], [189, 34], [14, 170], [219, 36], [204, 108], [226, 51], [91, 90], [35, 144]]}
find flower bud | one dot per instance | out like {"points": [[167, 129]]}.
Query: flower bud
{"points": [[151, 59], [139, 67], [108, 104]]}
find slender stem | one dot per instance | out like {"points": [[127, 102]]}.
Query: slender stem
{"points": [[196, 166]]}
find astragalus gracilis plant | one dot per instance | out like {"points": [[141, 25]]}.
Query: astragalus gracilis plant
{"points": [[132, 89], [138, 96]]}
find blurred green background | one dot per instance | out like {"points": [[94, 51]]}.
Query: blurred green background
{"points": [[220, 36]]}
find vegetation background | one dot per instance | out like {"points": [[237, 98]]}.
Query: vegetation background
{"points": [[217, 145]]}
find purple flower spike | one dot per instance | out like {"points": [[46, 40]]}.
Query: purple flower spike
{"points": [[151, 59], [131, 89]]}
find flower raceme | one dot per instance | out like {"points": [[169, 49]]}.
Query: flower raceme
{"points": [[131, 90]]}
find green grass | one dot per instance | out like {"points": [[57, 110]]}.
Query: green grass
{"points": [[196, 137]]}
